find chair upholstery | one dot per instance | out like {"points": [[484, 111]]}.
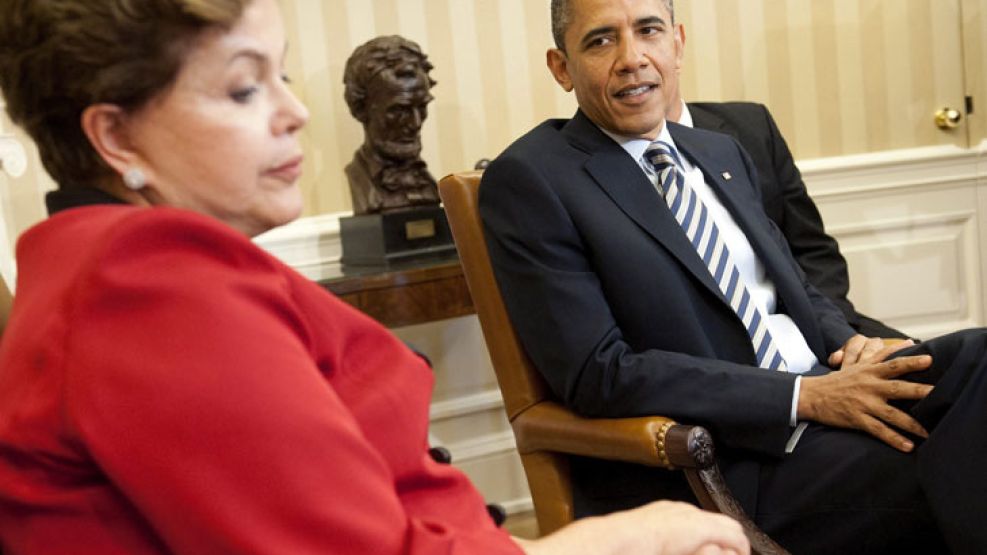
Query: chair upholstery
{"points": [[547, 432]]}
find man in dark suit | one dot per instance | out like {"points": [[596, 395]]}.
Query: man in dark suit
{"points": [[785, 197], [609, 285]]}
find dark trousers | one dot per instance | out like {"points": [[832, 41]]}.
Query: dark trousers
{"points": [[843, 491]]}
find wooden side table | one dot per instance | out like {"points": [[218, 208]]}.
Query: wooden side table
{"points": [[412, 292]]}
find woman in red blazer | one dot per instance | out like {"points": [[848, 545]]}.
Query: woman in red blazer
{"points": [[168, 387]]}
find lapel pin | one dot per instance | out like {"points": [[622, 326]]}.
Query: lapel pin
{"points": [[727, 176]]}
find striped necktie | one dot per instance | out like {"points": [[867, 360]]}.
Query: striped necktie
{"points": [[702, 232]]}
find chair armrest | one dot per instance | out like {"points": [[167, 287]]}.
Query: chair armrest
{"points": [[647, 440]]}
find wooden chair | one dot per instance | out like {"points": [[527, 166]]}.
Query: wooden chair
{"points": [[6, 300], [547, 432]]}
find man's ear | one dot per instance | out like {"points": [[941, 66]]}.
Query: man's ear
{"points": [[105, 127], [558, 64]]}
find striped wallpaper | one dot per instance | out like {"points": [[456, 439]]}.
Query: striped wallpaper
{"points": [[975, 58], [840, 76]]}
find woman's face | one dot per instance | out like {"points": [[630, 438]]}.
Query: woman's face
{"points": [[223, 139]]}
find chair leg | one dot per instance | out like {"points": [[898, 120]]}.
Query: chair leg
{"points": [[714, 495], [548, 480]]}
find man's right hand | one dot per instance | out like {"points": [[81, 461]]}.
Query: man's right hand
{"points": [[858, 395]]}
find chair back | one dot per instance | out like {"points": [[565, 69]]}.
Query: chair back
{"points": [[6, 301], [520, 383]]}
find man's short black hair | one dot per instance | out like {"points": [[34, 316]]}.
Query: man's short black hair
{"points": [[562, 12]]}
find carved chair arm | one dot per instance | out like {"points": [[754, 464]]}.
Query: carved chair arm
{"points": [[647, 440]]}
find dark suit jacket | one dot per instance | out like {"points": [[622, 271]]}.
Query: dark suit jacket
{"points": [[614, 305], [787, 202]]}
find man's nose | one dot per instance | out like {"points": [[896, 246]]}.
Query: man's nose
{"points": [[630, 56]]}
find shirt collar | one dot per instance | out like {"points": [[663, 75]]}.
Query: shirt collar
{"points": [[686, 117], [636, 146]]}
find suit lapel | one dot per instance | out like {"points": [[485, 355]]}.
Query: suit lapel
{"points": [[741, 200], [625, 183], [735, 193]]}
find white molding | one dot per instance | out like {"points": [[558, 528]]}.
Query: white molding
{"points": [[466, 404], [901, 223], [482, 446], [517, 505], [479, 446], [858, 175], [887, 159]]}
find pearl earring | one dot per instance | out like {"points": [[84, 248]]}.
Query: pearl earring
{"points": [[134, 179]]}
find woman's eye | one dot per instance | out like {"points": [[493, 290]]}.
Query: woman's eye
{"points": [[243, 95], [285, 78]]}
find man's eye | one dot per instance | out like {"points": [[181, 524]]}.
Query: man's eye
{"points": [[243, 95], [599, 41], [650, 30]]}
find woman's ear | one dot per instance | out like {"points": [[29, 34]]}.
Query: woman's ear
{"points": [[106, 127]]}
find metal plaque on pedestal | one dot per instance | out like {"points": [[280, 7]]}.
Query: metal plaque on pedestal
{"points": [[380, 239]]}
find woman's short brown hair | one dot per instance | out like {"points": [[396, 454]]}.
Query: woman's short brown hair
{"points": [[57, 57]]}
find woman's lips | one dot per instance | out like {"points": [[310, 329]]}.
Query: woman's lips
{"points": [[289, 171]]}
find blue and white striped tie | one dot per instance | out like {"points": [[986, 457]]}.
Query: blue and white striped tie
{"points": [[702, 232]]}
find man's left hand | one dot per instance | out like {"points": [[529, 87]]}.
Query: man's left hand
{"points": [[860, 348]]}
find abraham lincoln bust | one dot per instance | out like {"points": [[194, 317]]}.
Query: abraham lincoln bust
{"points": [[387, 90]]}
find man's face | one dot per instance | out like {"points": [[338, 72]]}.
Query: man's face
{"points": [[620, 54], [396, 108]]}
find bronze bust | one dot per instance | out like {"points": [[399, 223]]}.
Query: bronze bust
{"points": [[387, 90]]}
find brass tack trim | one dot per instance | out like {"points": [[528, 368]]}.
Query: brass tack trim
{"points": [[660, 444]]}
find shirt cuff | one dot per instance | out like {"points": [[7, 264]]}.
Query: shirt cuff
{"points": [[793, 419], [799, 427]]}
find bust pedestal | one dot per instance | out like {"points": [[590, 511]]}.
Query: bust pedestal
{"points": [[379, 239]]}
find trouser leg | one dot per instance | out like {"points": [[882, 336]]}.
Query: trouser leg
{"points": [[842, 491], [951, 462]]}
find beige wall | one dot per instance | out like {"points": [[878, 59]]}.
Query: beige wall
{"points": [[841, 76], [975, 56]]}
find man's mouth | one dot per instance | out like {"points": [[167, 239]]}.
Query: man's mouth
{"points": [[631, 92]]}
